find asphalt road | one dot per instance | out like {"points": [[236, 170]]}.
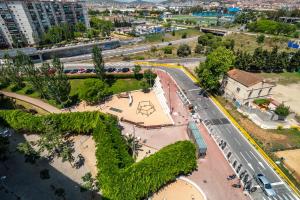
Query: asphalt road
{"points": [[129, 50], [241, 150]]}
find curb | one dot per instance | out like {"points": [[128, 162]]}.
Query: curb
{"points": [[277, 170]]}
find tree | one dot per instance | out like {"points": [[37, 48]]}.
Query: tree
{"points": [[183, 50], [294, 62], [136, 70], [150, 76], [94, 91], [260, 39], [133, 144], [216, 65], [145, 86], [184, 35], [30, 154], [13, 69], [52, 142], [173, 33], [98, 62], [168, 50], [80, 27], [199, 49], [282, 110]]}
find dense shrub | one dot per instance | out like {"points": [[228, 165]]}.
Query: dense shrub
{"points": [[282, 110], [119, 177]]}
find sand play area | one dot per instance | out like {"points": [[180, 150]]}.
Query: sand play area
{"points": [[144, 109], [291, 161], [178, 190]]}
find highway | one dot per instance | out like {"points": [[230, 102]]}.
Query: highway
{"points": [[129, 50], [246, 157]]}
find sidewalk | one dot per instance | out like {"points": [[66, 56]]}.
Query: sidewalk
{"points": [[37, 102], [179, 112], [213, 171]]}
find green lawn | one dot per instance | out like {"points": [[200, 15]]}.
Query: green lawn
{"points": [[152, 38], [120, 85]]}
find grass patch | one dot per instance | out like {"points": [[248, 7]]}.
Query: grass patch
{"points": [[158, 37], [284, 78], [116, 85]]}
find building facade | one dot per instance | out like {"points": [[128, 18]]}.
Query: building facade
{"points": [[25, 21], [243, 87]]}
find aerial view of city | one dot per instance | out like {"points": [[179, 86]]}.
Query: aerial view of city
{"points": [[149, 100]]}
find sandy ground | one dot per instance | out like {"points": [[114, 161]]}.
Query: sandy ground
{"points": [[130, 112], [289, 94], [178, 190], [145, 152], [23, 179], [291, 161]]}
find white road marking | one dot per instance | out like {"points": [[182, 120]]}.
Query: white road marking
{"points": [[260, 163], [285, 197], [244, 157], [291, 197], [277, 183], [194, 89], [249, 164], [237, 141], [280, 197]]}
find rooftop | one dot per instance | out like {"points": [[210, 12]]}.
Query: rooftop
{"points": [[245, 78]]}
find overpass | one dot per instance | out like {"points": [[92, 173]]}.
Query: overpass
{"points": [[219, 32]]}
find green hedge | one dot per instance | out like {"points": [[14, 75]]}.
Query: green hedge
{"points": [[120, 178]]}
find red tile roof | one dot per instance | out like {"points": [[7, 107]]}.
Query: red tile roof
{"points": [[245, 78]]}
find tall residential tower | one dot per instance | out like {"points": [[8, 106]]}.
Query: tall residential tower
{"points": [[23, 22]]}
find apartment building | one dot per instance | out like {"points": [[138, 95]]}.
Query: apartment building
{"points": [[23, 22]]}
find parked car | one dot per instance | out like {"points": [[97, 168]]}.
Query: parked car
{"points": [[125, 69], [81, 70], [74, 71], [265, 185], [89, 71], [119, 70], [111, 69], [66, 71]]}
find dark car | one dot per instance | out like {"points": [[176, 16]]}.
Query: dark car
{"points": [[89, 71], [125, 69], [170, 43], [66, 71], [74, 71], [111, 69], [119, 70]]}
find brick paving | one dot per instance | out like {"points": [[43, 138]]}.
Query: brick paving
{"points": [[212, 173], [179, 112]]}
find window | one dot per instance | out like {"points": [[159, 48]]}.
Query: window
{"points": [[269, 90], [238, 89], [250, 94], [259, 92]]}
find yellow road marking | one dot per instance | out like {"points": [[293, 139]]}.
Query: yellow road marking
{"points": [[242, 130]]}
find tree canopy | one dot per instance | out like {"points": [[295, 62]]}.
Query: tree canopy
{"points": [[216, 65]]}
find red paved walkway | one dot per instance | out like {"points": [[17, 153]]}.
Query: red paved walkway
{"points": [[212, 173], [179, 112]]}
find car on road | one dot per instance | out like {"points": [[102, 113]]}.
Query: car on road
{"points": [[119, 70], [81, 70], [111, 69], [125, 69], [170, 43], [265, 185], [66, 71], [74, 71], [89, 71]]}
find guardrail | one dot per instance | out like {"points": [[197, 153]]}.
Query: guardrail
{"points": [[233, 121]]}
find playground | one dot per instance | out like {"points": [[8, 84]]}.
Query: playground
{"points": [[137, 107]]}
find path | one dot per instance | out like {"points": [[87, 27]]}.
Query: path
{"points": [[39, 103]]}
